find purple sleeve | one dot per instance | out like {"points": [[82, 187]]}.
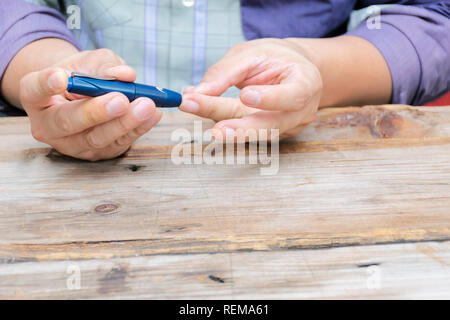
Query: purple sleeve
{"points": [[415, 42], [22, 22]]}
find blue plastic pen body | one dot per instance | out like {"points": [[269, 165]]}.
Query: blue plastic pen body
{"points": [[92, 87]]}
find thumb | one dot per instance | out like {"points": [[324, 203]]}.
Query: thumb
{"points": [[37, 88]]}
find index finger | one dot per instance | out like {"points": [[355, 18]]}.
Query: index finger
{"points": [[37, 88], [231, 70]]}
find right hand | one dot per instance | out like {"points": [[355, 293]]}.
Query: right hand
{"points": [[92, 129]]}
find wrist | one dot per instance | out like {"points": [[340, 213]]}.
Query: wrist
{"points": [[309, 49], [353, 71]]}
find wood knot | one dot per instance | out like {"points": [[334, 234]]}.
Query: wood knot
{"points": [[107, 208], [216, 279], [390, 124], [135, 168]]}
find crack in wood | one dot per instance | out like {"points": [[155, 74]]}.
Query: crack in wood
{"points": [[127, 248]]}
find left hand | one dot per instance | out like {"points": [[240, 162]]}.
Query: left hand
{"points": [[280, 89], [89, 128]]}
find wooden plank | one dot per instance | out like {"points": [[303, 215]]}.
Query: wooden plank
{"points": [[398, 271], [356, 176], [374, 122]]}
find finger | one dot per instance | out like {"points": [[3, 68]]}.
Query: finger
{"points": [[281, 97], [105, 63], [140, 112], [103, 154], [122, 73], [262, 120], [189, 89], [117, 147], [215, 108], [133, 135], [112, 65], [37, 88], [228, 72], [293, 132], [76, 116]]}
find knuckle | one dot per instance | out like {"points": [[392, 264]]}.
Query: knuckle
{"points": [[237, 111], [209, 112], [93, 112], [62, 123], [92, 141], [214, 70], [124, 126], [38, 133], [141, 130], [123, 141], [134, 134], [105, 52], [238, 48]]}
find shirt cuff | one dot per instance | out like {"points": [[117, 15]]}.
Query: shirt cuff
{"points": [[30, 28], [399, 54]]}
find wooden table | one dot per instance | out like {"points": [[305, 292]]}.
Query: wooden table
{"points": [[360, 208]]}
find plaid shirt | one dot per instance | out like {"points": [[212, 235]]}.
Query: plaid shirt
{"points": [[171, 43], [164, 40]]}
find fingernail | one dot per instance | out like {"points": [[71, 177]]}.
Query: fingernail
{"points": [[252, 98], [116, 106], [143, 111], [55, 81], [190, 106], [202, 87]]}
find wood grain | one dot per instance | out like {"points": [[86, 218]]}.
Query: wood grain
{"points": [[398, 271], [356, 177]]}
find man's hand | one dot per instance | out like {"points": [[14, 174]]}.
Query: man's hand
{"points": [[280, 89], [97, 128], [284, 82]]}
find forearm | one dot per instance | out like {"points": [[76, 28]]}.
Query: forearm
{"points": [[353, 71], [35, 56]]}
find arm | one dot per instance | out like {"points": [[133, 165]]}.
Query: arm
{"points": [[414, 40], [353, 71], [284, 81], [22, 23]]}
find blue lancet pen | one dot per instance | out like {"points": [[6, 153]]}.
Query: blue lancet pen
{"points": [[93, 87]]}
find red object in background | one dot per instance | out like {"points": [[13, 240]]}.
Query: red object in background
{"points": [[442, 101]]}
